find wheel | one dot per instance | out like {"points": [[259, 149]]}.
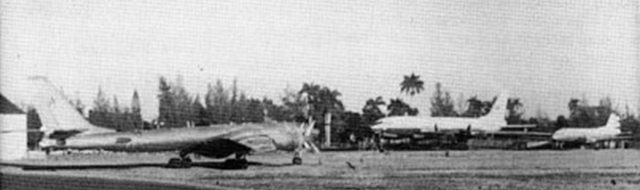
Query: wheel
{"points": [[186, 162], [174, 163], [297, 161]]}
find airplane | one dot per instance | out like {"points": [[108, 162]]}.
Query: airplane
{"points": [[397, 126], [609, 132], [65, 129]]}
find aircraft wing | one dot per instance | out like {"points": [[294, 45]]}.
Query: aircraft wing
{"points": [[520, 133], [618, 137], [244, 139], [257, 143], [591, 140]]}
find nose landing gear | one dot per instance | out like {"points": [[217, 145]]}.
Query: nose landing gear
{"points": [[297, 160], [183, 162]]}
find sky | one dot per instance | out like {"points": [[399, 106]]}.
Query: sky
{"points": [[541, 51]]}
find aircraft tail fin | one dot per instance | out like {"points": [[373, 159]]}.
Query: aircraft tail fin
{"points": [[613, 121], [55, 111], [498, 112]]}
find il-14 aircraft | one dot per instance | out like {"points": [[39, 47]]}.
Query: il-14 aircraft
{"points": [[411, 125], [609, 132], [65, 128]]}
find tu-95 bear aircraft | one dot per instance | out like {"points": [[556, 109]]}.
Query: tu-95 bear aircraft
{"points": [[64, 128]]}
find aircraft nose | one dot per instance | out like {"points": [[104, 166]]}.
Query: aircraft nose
{"points": [[557, 135], [380, 126]]}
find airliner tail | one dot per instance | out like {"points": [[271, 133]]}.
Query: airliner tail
{"points": [[613, 122], [496, 117]]}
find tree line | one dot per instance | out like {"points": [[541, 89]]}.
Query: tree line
{"points": [[230, 105], [581, 113]]}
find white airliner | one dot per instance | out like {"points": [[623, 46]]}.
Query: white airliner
{"points": [[410, 125], [609, 131]]}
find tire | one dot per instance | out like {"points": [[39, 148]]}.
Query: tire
{"points": [[174, 163], [186, 163], [244, 165], [297, 161]]}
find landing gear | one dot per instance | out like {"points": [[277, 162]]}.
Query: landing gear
{"points": [[240, 162], [519, 146], [184, 162], [297, 160], [558, 145], [597, 146]]}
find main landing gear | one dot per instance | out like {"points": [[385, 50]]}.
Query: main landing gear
{"points": [[240, 162], [183, 162], [297, 160]]}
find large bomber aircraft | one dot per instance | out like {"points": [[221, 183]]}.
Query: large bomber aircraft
{"points": [[411, 125], [64, 128], [609, 132]]}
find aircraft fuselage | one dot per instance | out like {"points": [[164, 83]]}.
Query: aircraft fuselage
{"points": [[589, 135], [179, 138], [434, 124]]}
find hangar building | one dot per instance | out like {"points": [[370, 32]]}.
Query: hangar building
{"points": [[13, 131]]}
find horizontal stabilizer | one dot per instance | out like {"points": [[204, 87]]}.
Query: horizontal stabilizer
{"points": [[537, 144]]}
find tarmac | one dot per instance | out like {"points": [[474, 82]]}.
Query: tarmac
{"points": [[478, 169]]}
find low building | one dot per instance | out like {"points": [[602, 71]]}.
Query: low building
{"points": [[13, 131]]}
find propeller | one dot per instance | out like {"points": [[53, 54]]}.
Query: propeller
{"points": [[310, 128], [310, 146], [306, 133]]}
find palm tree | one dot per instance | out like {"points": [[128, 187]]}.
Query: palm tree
{"points": [[374, 103], [322, 102], [412, 84], [321, 99], [371, 112], [397, 107]]}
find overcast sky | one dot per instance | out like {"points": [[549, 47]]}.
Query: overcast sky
{"points": [[543, 52]]}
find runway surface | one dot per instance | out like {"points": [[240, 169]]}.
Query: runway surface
{"points": [[482, 169]]}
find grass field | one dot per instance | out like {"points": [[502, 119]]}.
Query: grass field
{"points": [[482, 169]]}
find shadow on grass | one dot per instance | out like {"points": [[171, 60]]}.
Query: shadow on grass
{"points": [[211, 165], [231, 166]]}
